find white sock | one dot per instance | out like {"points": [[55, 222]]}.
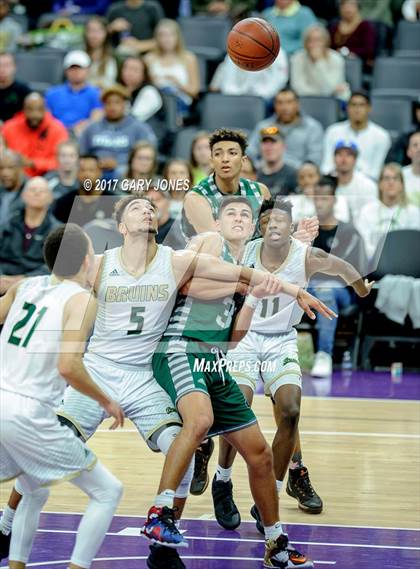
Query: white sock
{"points": [[273, 532], [279, 485], [7, 520], [223, 474], [165, 498]]}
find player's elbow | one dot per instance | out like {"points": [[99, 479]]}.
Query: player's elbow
{"points": [[68, 366]]}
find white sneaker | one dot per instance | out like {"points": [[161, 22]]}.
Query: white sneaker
{"points": [[322, 366]]}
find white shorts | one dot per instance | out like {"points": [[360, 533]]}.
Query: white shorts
{"points": [[35, 447], [271, 357], [142, 399]]}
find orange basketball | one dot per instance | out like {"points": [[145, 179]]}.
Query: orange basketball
{"points": [[253, 44]]}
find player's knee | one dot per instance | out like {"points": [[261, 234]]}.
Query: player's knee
{"points": [[37, 498], [198, 427], [290, 416], [262, 459], [115, 491]]}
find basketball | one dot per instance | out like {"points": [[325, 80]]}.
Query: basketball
{"points": [[253, 44]]}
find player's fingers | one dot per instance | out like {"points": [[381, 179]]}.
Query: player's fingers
{"points": [[308, 311], [324, 310]]}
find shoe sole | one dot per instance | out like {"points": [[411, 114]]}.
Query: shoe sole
{"points": [[303, 508], [183, 544]]}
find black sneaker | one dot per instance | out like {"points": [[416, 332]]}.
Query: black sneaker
{"points": [[200, 479], [4, 545], [256, 515], [280, 553], [161, 557], [225, 510], [299, 486]]}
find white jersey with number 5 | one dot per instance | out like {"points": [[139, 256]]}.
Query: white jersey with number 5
{"points": [[279, 313], [133, 312], [30, 341]]}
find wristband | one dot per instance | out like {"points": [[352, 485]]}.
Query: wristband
{"points": [[251, 301]]}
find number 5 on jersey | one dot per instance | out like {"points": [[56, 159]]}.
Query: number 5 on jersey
{"points": [[136, 318]]}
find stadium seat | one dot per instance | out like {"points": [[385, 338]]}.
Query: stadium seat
{"points": [[182, 144], [407, 36], [390, 72], [407, 94], [354, 72], [323, 109], [231, 111], [42, 69], [393, 114], [206, 36], [407, 53]]}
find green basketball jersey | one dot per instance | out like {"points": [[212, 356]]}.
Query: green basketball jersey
{"points": [[208, 189], [205, 321]]}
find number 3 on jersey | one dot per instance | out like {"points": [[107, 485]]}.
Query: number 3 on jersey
{"points": [[136, 318], [30, 311]]}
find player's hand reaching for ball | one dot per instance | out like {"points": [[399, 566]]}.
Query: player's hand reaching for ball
{"points": [[114, 410], [270, 286], [307, 302]]}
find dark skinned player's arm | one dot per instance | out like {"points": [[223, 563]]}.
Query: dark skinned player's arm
{"points": [[318, 261]]}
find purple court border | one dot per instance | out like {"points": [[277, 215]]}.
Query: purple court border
{"points": [[339, 547]]}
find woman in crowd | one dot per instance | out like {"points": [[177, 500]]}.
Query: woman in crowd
{"points": [[390, 212], [142, 164], [145, 98], [172, 68], [317, 69], [200, 156], [353, 35], [179, 174], [103, 70], [303, 205]]}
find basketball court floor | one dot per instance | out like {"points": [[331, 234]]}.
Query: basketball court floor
{"points": [[361, 441]]}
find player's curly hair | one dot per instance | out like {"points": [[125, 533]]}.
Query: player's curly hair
{"points": [[276, 203], [225, 134], [121, 204]]}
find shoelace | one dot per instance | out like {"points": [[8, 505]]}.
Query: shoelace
{"points": [[167, 516], [304, 485], [225, 495]]}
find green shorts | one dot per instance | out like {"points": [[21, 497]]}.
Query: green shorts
{"points": [[183, 366]]}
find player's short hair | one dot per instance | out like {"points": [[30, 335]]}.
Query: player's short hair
{"points": [[121, 205], [234, 199], [225, 134], [90, 157], [65, 248], [360, 93], [328, 181], [276, 203]]}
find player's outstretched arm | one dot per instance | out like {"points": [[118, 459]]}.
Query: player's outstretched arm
{"points": [[318, 261], [7, 300], [78, 318], [198, 213]]}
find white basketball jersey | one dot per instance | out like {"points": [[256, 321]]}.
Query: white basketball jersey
{"points": [[278, 313], [31, 337], [133, 312]]}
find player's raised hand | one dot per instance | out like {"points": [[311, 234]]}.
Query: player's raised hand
{"points": [[114, 410], [307, 302], [270, 286], [365, 289], [307, 229]]}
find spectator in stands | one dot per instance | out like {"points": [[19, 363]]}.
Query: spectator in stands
{"points": [[411, 173], [352, 35], [411, 10], [70, 7], [103, 69], [372, 140], [89, 201], [169, 232], [112, 137], [302, 134], [12, 92], [179, 174], [234, 9], [35, 135], [64, 179], [308, 177], [229, 79], [318, 70], [75, 102], [200, 156], [385, 11], [12, 181], [145, 99], [278, 176], [22, 237], [290, 19], [248, 170], [341, 240], [172, 68], [142, 164], [10, 30], [398, 150], [391, 212], [354, 189], [325, 10], [133, 23]]}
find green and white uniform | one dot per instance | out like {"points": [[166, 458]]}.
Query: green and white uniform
{"points": [[190, 357], [269, 349], [208, 189]]}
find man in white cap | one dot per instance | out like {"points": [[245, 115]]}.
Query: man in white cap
{"points": [[75, 102]]}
